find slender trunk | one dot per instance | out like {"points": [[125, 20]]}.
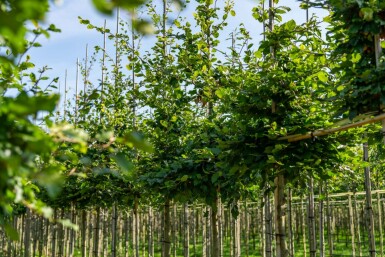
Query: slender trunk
{"points": [[83, 233], [279, 202], [236, 236], [42, 237], [369, 209], [27, 233], [96, 232], [247, 228], [311, 220], [204, 241], [186, 246], [150, 233], [60, 235], [135, 229], [329, 227], [173, 230], [351, 224], [114, 230], [357, 221], [194, 226], [321, 221], [35, 233], [208, 232], [290, 223], [263, 228], [72, 231], [214, 226], [220, 227], [53, 238], [166, 244], [380, 224], [268, 228]]}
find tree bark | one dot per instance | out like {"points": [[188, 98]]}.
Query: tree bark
{"points": [[166, 244], [380, 224], [321, 221], [352, 227], [329, 226], [369, 208], [311, 220], [290, 223], [214, 226], [186, 237], [279, 202], [27, 233], [268, 227]]}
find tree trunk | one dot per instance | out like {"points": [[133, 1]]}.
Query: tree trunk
{"points": [[329, 227], [150, 233], [247, 230], [263, 228], [174, 229], [290, 223], [186, 237], [351, 223], [357, 221], [369, 209], [96, 232], [214, 226], [27, 233], [268, 228], [311, 217], [166, 244], [83, 233], [135, 229], [321, 222], [279, 202], [380, 224], [236, 236], [53, 238], [204, 241], [114, 230]]}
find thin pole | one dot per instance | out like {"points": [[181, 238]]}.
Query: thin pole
{"points": [[85, 71], [76, 92], [369, 208], [65, 95], [103, 68]]}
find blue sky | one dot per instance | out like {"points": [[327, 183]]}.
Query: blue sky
{"points": [[61, 50]]}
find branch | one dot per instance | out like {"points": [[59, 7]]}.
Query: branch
{"points": [[325, 132]]}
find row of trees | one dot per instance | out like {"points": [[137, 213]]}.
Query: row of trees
{"points": [[224, 118]]}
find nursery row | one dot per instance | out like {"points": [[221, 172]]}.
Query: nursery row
{"points": [[340, 219]]}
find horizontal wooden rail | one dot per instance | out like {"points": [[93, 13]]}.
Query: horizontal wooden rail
{"points": [[324, 132]]}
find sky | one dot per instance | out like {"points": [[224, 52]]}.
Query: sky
{"points": [[61, 51]]}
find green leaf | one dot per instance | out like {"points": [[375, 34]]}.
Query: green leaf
{"points": [[366, 13], [122, 161], [220, 92], [184, 178], [322, 76], [103, 6]]}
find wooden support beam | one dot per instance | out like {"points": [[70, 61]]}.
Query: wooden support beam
{"points": [[325, 132]]}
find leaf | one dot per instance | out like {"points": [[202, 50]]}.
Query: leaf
{"points": [[103, 6], [220, 92], [232, 13], [164, 123], [322, 76], [124, 164], [184, 178], [366, 13]]}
